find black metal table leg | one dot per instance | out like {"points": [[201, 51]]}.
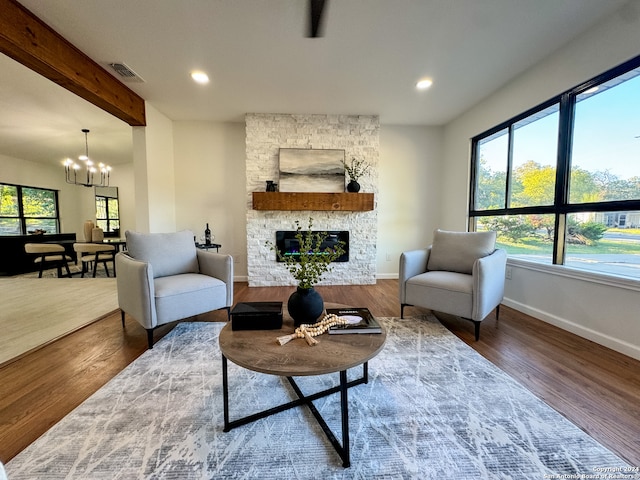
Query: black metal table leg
{"points": [[344, 408], [341, 449], [225, 394]]}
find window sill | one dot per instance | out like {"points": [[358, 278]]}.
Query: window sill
{"points": [[577, 274]]}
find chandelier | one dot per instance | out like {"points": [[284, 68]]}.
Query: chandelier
{"points": [[93, 176]]}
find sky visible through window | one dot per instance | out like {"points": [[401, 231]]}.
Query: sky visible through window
{"points": [[606, 135]]}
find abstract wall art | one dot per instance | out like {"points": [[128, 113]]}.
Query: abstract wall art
{"points": [[311, 170]]}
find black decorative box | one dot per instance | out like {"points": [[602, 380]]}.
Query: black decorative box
{"points": [[256, 316]]}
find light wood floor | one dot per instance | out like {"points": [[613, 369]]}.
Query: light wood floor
{"points": [[596, 388]]}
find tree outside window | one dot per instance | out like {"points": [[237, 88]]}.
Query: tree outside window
{"points": [[27, 209]]}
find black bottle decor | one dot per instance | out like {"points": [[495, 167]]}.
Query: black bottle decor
{"points": [[207, 236]]}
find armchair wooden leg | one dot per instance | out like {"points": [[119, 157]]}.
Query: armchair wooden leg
{"points": [[402, 305], [498, 312], [122, 316], [150, 338], [228, 309], [477, 329]]}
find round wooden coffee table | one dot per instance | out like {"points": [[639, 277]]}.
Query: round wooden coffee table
{"points": [[259, 350]]}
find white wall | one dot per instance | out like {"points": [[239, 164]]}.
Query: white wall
{"points": [[123, 178], [210, 184], [601, 313], [409, 192], [153, 159]]}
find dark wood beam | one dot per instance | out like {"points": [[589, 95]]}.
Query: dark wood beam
{"points": [[31, 42]]}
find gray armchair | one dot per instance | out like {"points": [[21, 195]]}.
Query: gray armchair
{"points": [[460, 274], [163, 278]]}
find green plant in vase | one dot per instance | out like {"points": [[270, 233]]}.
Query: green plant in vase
{"points": [[355, 170], [308, 266]]}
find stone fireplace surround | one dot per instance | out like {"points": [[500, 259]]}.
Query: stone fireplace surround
{"points": [[358, 135]]}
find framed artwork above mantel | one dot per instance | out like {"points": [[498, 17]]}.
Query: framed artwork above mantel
{"points": [[311, 170]]}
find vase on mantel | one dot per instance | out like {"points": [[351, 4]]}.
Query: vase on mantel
{"points": [[353, 186], [305, 305]]}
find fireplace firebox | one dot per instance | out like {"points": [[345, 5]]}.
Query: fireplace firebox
{"points": [[289, 246]]}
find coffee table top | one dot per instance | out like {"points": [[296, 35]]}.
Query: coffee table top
{"points": [[259, 350]]}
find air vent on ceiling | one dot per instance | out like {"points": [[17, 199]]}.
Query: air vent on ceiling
{"points": [[125, 72]]}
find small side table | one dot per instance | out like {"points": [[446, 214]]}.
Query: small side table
{"points": [[203, 246]]}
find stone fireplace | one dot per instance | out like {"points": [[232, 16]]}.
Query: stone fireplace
{"points": [[358, 136]]}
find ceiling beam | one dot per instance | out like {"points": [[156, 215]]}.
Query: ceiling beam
{"points": [[31, 42]]}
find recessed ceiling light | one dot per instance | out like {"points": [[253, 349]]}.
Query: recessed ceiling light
{"points": [[200, 77], [592, 90], [424, 84]]}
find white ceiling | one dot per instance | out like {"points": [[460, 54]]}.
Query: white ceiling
{"points": [[259, 60]]}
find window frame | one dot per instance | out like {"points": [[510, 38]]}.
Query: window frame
{"points": [[22, 218], [108, 232], [561, 207]]}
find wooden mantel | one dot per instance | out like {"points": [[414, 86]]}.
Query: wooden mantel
{"points": [[355, 202]]}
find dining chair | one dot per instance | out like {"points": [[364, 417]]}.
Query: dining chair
{"points": [[90, 254], [50, 254]]}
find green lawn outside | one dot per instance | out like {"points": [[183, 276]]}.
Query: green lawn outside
{"points": [[536, 246]]}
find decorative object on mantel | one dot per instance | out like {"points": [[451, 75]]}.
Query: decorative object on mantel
{"points": [[305, 305], [87, 179], [272, 186], [356, 170], [311, 170]]}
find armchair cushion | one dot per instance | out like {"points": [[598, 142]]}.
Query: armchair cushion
{"points": [[169, 253], [185, 295], [457, 251]]}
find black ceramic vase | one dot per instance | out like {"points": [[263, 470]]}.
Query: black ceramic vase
{"points": [[305, 305], [353, 186]]}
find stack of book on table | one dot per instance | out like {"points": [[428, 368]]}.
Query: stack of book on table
{"points": [[359, 320]]}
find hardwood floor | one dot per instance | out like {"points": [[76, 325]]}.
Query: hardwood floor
{"points": [[596, 388]]}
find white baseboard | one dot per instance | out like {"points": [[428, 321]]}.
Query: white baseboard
{"points": [[387, 276], [588, 333]]}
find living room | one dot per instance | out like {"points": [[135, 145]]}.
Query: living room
{"points": [[194, 172]]}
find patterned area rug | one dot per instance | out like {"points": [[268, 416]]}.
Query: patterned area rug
{"points": [[433, 409]]}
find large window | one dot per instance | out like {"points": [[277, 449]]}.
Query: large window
{"points": [[108, 210], [28, 210], [561, 183]]}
